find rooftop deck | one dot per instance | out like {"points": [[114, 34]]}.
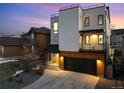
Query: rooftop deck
{"points": [[55, 15], [77, 5]]}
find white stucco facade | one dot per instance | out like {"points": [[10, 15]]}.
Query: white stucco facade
{"points": [[71, 22], [93, 15], [69, 26]]}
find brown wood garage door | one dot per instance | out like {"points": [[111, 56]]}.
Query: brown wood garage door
{"points": [[80, 65], [12, 51]]}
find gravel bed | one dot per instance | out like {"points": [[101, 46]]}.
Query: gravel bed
{"points": [[19, 81]]}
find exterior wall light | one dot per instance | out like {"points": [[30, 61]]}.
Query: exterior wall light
{"points": [[61, 58], [98, 62]]}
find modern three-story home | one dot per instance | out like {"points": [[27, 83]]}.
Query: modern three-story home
{"points": [[80, 39]]}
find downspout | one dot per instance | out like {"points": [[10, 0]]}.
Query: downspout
{"points": [[106, 46], [105, 53]]}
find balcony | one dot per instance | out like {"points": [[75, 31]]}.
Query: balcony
{"points": [[92, 42]]}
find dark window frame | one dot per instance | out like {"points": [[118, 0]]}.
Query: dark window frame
{"points": [[81, 43], [102, 19], [57, 27], [85, 20], [86, 40], [99, 40]]}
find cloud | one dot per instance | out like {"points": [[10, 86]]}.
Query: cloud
{"points": [[51, 6], [118, 21], [35, 21]]}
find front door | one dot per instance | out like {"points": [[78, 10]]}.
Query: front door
{"points": [[53, 59]]}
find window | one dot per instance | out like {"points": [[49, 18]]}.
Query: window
{"points": [[81, 38], [55, 27], [87, 39], [32, 35], [100, 19], [2, 49], [100, 39], [87, 21], [115, 44]]}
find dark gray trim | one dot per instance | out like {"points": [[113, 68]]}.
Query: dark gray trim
{"points": [[88, 18], [85, 40], [102, 19], [98, 39], [92, 31], [52, 49]]}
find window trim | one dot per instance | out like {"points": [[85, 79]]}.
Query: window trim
{"points": [[85, 21], [99, 38], [86, 40], [81, 41], [55, 31], [102, 20]]}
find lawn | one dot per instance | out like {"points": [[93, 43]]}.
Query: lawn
{"points": [[7, 69], [19, 81]]}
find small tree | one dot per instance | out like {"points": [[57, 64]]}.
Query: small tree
{"points": [[28, 59]]}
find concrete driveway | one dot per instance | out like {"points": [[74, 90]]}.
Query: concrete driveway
{"points": [[64, 80]]}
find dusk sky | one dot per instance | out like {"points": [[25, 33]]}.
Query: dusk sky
{"points": [[21, 17]]}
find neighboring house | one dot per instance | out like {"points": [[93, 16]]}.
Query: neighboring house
{"points": [[35, 39], [123, 45], [11, 47], [80, 39], [116, 38], [39, 36]]}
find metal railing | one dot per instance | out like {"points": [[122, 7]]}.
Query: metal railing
{"points": [[93, 6], [70, 6], [76, 5], [55, 15]]}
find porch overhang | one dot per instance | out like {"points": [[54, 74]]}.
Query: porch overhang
{"points": [[52, 49], [94, 31]]}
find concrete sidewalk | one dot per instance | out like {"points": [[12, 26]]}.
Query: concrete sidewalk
{"points": [[104, 83], [64, 80]]}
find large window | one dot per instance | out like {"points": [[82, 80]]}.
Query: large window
{"points": [[100, 20], [87, 39], [100, 39], [87, 21], [55, 27]]}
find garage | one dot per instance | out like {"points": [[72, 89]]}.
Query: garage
{"points": [[87, 66], [12, 51]]}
